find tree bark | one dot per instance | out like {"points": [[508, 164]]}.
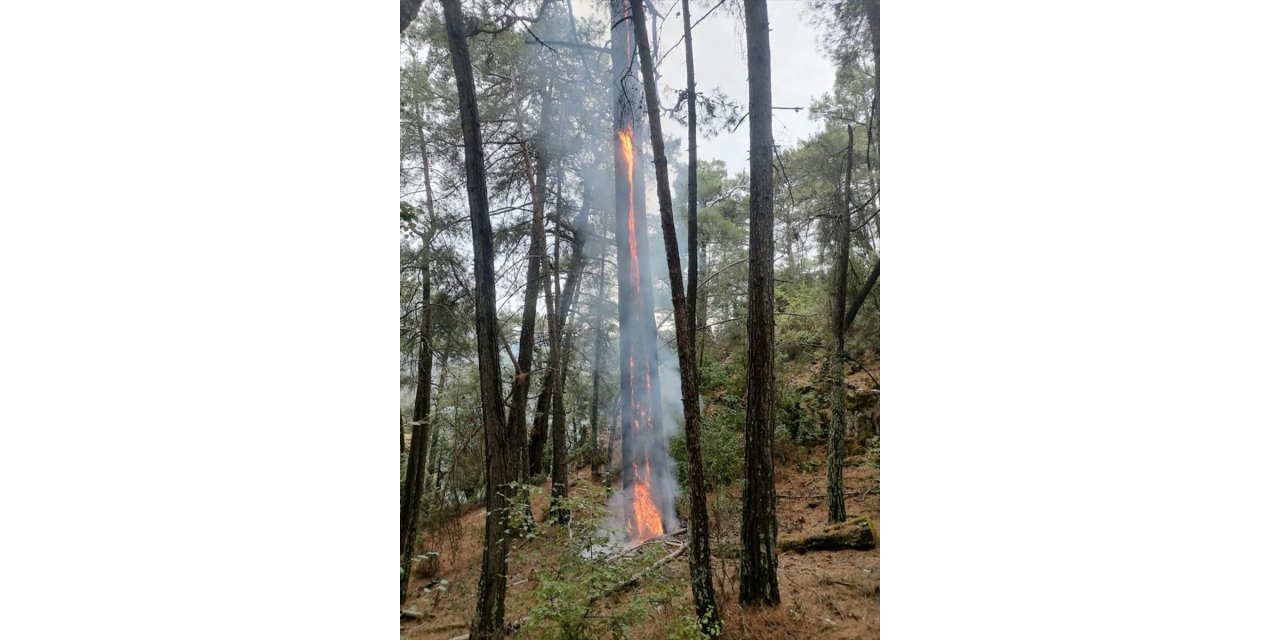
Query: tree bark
{"points": [[839, 286], [416, 467], [492, 588], [433, 460], [595, 372], [559, 454], [699, 541], [758, 577], [408, 11], [415, 472], [544, 411], [691, 244], [861, 296], [537, 177]]}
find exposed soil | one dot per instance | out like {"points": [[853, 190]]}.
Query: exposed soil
{"points": [[825, 594]]}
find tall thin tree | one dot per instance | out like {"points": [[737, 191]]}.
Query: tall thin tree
{"points": [[758, 576], [536, 174], [699, 541], [839, 286], [691, 215], [492, 589]]}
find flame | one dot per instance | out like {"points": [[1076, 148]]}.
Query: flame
{"points": [[645, 520], [648, 523]]}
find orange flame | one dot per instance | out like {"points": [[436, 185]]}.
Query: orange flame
{"points": [[646, 519], [648, 523]]}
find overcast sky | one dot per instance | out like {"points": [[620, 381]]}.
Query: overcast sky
{"points": [[800, 70]]}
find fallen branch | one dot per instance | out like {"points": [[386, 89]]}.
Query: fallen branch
{"points": [[634, 580], [660, 539]]}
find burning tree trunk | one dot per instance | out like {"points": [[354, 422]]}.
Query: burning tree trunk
{"points": [[492, 589], [699, 541], [839, 285], [758, 577], [643, 448]]}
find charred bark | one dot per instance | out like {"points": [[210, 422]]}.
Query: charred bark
{"points": [[758, 577], [699, 540]]}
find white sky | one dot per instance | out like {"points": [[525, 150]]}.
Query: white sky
{"points": [[801, 72]]}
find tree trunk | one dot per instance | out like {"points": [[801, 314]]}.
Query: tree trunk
{"points": [[699, 541], [861, 296], [541, 420], [839, 285], [872, 8], [537, 178], [559, 454], [415, 472], [433, 460], [595, 372], [691, 244], [758, 577], [492, 588]]}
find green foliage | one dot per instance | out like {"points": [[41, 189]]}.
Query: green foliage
{"points": [[564, 606], [797, 417], [721, 448]]}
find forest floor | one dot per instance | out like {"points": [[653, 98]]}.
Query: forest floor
{"points": [[825, 594]]}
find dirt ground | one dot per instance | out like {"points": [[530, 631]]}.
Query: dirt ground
{"points": [[825, 594]]}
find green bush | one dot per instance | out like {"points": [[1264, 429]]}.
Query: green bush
{"points": [[722, 455]]}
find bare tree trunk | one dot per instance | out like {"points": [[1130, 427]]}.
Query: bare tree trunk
{"points": [[541, 420], [416, 466], [595, 372], [699, 540], [415, 472], [839, 285], [537, 178], [559, 454], [492, 588], [691, 244], [433, 460], [702, 309], [758, 577], [544, 411], [861, 296], [872, 8]]}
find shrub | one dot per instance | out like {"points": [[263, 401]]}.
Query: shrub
{"points": [[722, 456]]}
